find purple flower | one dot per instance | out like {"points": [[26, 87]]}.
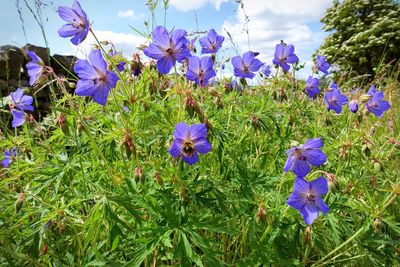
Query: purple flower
{"points": [[35, 67], [167, 48], [335, 100], [300, 157], [18, 118], [200, 70], [353, 105], [377, 104], [372, 91], [333, 86], [312, 86], [21, 101], [8, 157], [78, 23], [306, 198], [245, 66], [266, 70], [322, 65], [211, 43], [95, 80], [284, 54], [120, 65], [189, 141]]}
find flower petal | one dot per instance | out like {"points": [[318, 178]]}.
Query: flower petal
{"points": [[202, 146], [319, 186], [176, 149], [198, 132], [182, 131], [309, 213], [300, 167], [192, 159]]}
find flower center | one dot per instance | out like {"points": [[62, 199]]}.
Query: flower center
{"points": [[298, 154], [310, 197], [188, 148]]}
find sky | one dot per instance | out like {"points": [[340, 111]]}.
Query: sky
{"points": [[296, 22]]}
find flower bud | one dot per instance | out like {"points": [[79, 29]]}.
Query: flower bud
{"points": [[353, 105], [365, 98], [127, 141], [61, 122], [373, 181], [261, 214], [378, 225], [255, 122], [72, 85], [185, 196], [19, 202], [333, 182], [377, 165], [138, 174], [192, 106], [158, 178]]}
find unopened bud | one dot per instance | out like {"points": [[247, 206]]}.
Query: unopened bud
{"points": [[365, 98], [19, 202], [138, 174], [127, 141], [262, 213], [192, 106], [158, 178], [185, 196], [255, 121], [62, 123], [72, 85], [377, 165], [333, 182], [353, 105], [378, 225]]}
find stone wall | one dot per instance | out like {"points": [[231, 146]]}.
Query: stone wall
{"points": [[13, 74]]}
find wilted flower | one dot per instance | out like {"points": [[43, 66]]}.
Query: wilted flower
{"points": [[211, 43], [306, 198], [245, 66], [284, 54], [312, 86], [95, 80], [167, 48], [321, 63], [200, 70], [300, 157], [189, 141], [335, 100], [266, 70], [8, 157], [35, 67], [376, 104], [78, 24], [353, 105]]}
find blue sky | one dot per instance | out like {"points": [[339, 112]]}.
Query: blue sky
{"points": [[296, 22]]}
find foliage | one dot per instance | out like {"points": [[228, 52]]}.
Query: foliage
{"points": [[364, 35]]}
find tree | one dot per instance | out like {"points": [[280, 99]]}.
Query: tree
{"points": [[364, 35]]}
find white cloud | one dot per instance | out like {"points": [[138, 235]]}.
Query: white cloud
{"points": [[275, 20], [129, 14], [125, 42], [189, 5]]}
